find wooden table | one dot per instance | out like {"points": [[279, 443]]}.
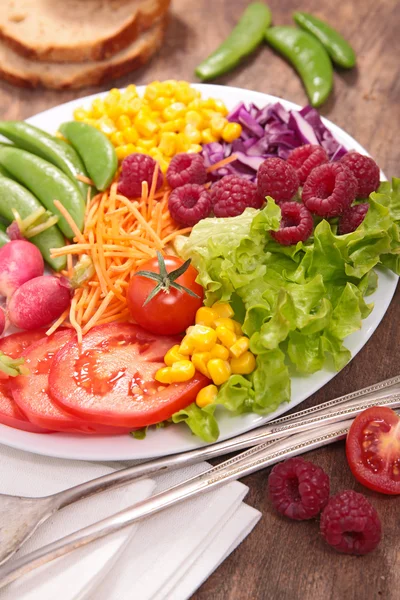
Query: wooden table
{"points": [[280, 559]]}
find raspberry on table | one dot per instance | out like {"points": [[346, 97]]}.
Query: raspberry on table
{"points": [[365, 170], [350, 524], [329, 190], [298, 489], [231, 195], [137, 168], [278, 179], [305, 158], [296, 224], [186, 168], [352, 218], [189, 204]]}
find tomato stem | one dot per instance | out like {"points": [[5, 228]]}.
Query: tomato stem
{"points": [[166, 280]]}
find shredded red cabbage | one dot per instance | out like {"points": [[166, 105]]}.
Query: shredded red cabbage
{"points": [[269, 131]]}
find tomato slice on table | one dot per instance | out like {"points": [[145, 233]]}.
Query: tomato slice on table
{"points": [[30, 392], [110, 378], [373, 449], [13, 345]]}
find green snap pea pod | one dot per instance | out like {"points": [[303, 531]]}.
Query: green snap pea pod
{"points": [[95, 149], [3, 236], [338, 49], [47, 183], [308, 57], [15, 196], [244, 39], [62, 155]]}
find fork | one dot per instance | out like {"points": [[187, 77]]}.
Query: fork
{"points": [[20, 516]]}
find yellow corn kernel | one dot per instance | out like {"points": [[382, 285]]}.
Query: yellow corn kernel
{"points": [[163, 163], [163, 375], [220, 370], [80, 114], [200, 360], [152, 91], [226, 336], [115, 93], [131, 135], [220, 107], [209, 103], [176, 125], [147, 144], [173, 355], [118, 138], [186, 346], [223, 309], [132, 107], [182, 370], [206, 316], [195, 104], [184, 93], [218, 124], [174, 111], [207, 396], [240, 347], [144, 125], [244, 365], [203, 338], [238, 328], [207, 136], [130, 90], [194, 148], [123, 122], [125, 150], [98, 108], [167, 143], [219, 351], [225, 322], [161, 102], [193, 117], [231, 132], [192, 134]]}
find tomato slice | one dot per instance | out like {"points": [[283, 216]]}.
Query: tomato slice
{"points": [[13, 345], [30, 392], [373, 449], [110, 378]]}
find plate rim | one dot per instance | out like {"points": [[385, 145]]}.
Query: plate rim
{"points": [[26, 441]]}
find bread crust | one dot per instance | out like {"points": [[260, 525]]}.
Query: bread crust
{"points": [[140, 21], [89, 75]]}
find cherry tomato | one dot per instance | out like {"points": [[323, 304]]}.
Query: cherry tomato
{"points": [[13, 345], [373, 449], [30, 392], [110, 377], [171, 310]]}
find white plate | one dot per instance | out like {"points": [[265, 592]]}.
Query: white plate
{"points": [[178, 438]]}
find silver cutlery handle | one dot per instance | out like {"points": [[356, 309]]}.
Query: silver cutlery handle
{"points": [[205, 482]]}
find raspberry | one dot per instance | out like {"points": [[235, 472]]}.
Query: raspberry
{"points": [[298, 489], [329, 190], [305, 158], [278, 179], [137, 168], [296, 224], [350, 524], [365, 170], [352, 218], [186, 168], [189, 204], [231, 195]]}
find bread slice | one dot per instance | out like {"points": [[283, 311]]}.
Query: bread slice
{"points": [[28, 73], [75, 30]]}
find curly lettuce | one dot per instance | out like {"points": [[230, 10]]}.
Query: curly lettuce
{"points": [[297, 303]]}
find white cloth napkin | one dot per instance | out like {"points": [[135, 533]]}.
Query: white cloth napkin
{"points": [[166, 556]]}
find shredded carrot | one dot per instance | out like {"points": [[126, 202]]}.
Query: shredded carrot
{"points": [[222, 163], [119, 236], [84, 179]]}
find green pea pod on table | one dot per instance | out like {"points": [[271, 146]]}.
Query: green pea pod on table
{"points": [[309, 58], [244, 39], [59, 153], [3, 235], [14, 196], [338, 49], [95, 149], [47, 183]]}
